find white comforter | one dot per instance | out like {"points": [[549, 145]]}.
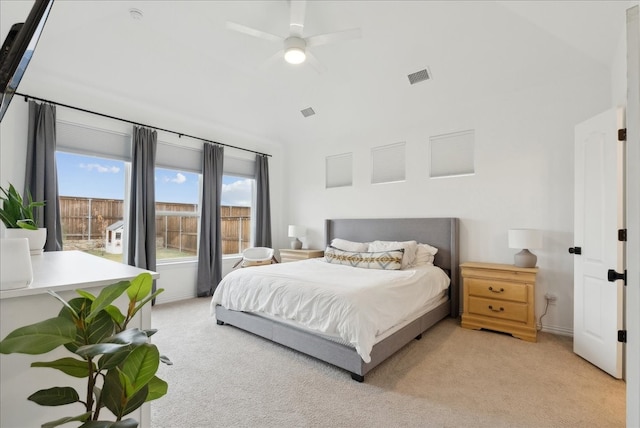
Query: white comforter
{"points": [[356, 304]]}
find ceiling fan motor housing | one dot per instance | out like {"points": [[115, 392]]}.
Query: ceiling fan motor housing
{"points": [[294, 50]]}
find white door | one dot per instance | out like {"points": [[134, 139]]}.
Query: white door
{"points": [[598, 214]]}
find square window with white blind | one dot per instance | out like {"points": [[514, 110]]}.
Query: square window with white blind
{"points": [[452, 154], [388, 163], [339, 170]]}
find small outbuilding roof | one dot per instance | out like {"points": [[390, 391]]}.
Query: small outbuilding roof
{"points": [[117, 225]]}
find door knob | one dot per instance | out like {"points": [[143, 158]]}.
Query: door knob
{"points": [[575, 250]]}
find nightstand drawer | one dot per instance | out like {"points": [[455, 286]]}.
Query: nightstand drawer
{"points": [[498, 309], [497, 289]]}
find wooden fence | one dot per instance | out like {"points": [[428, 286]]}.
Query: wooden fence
{"points": [[176, 224]]}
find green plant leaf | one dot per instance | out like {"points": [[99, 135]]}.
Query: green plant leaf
{"points": [[115, 399], [147, 300], [107, 296], [70, 366], [56, 396], [86, 295], [115, 313], [110, 361], [27, 224], [140, 367], [74, 313], [157, 388], [150, 332], [88, 332], [140, 287], [40, 337], [81, 418], [126, 383], [125, 423], [134, 337]]}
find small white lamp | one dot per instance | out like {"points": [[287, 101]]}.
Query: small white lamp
{"points": [[296, 232], [525, 239]]}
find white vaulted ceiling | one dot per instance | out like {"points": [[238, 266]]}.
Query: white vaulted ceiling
{"points": [[180, 62]]}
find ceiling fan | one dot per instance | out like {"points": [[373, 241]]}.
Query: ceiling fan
{"points": [[295, 46]]}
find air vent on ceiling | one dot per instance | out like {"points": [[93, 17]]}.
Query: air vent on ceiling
{"points": [[308, 112], [419, 76]]}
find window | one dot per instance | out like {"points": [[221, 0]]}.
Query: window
{"points": [[388, 163], [177, 214], [236, 205], [339, 170], [452, 154], [91, 192]]}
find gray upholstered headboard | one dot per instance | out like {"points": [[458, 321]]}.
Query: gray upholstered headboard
{"points": [[441, 233]]}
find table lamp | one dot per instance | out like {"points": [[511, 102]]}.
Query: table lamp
{"points": [[296, 232], [525, 239]]}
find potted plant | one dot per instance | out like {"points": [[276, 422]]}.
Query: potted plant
{"points": [[20, 218], [119, 363]]}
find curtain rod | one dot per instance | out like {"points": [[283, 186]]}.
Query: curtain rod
{"points": [[179, 134]]}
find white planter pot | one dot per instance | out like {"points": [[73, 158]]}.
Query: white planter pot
{"points": [[36, 238]]}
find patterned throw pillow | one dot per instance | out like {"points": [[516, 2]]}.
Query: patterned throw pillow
{"points": [[387, 260]]}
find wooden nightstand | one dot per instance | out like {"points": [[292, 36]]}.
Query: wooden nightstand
{"points": [[499, 297], [293, 255]]}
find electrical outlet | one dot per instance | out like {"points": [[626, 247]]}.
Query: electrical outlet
{"points": [[551, 298]]}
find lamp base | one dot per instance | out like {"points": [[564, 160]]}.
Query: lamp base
{"points": [[296, 244], [525, 259]]}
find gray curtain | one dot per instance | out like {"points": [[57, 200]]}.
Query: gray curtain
{"points": [[141, 242], [41, 178], [210, 252], [263, 203]]}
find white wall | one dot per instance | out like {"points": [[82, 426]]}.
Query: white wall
{"points": [[523, 178]]}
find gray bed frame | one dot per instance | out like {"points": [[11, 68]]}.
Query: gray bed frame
{"points": [[441, 233]]}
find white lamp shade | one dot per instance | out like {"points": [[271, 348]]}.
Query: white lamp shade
{"points": [[297, 231], [525, 238]]}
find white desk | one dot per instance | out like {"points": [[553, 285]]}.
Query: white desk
{"points": [[63, 272]]}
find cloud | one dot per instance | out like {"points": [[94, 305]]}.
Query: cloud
{"points": [[100, 168], [237, 193], [178, 179]]}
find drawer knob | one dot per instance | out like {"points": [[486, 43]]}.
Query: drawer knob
{"points": [[496, 291], [496, 310]]}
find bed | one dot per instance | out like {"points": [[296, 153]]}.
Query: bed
{"points": [[441, 233]]}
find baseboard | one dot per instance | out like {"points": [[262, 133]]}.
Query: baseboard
{"points": [[562, 331], [173, 298]]}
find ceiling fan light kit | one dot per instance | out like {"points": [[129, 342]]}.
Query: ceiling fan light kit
{"points": [[294, 50], [295, 46]]}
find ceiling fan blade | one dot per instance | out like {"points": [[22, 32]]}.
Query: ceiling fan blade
{"points": [[314, 63], [253, 32], [338, 36], [297, 10], [278, 56]]}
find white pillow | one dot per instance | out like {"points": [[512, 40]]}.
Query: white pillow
{"points": [[425, 254], [344, 245], [409, 248]]}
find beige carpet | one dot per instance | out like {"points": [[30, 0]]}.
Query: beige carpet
{"points": [[453, 377]]}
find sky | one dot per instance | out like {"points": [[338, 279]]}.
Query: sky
{"points": [[87, 176]]}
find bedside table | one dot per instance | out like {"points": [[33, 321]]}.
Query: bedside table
{"points": [[499, 297], [287, 255]]}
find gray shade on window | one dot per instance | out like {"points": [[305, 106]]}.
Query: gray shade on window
{"points": [[75, 138], [452, 154], [339, 170], [388, 163]]}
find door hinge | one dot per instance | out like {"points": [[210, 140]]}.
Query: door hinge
{"points": [[622, 235], [613, 276], [622, 134], [622, 336]]}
